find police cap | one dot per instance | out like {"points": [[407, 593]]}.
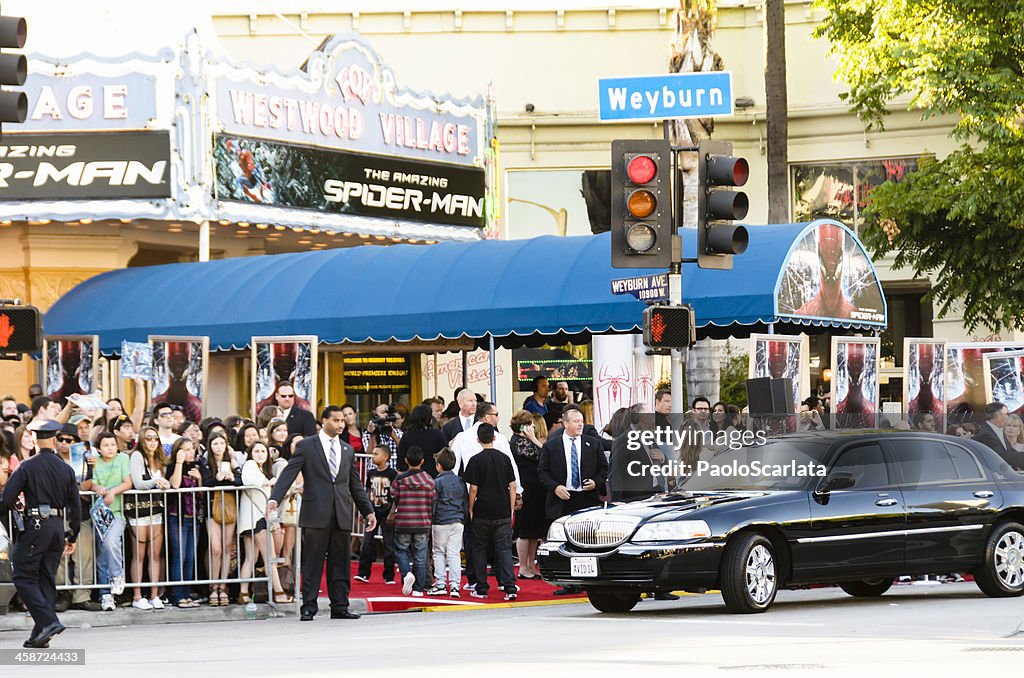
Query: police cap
{"points": [[46, 428]]}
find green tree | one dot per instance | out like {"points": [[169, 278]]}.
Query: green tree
{"points": [[961, 216], [735, 368]]}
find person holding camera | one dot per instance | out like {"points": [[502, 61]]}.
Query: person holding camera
{"points": [[382, 431]]}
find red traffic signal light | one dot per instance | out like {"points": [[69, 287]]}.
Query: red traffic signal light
{"points": [[641, 203], [21, 330], [669, 327]]}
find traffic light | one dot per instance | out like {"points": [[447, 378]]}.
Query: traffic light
{"points": [[13, 70], [669, 327], [641, 203], [21, 331], [717, 206]]}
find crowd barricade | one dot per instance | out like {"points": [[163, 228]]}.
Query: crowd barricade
{"points": [[363, 465], [187, 529]]}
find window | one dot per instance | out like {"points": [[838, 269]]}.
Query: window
{"points": [[965, 463], [923, 461], [840, 190], [867, 465]]}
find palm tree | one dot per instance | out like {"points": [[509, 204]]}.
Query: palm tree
{"points": [[776, 110]]}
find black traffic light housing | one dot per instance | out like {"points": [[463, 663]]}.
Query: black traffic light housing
{"points": [[13, 70], [21, 331], [717, 206], [669, 327], [641, 203]]}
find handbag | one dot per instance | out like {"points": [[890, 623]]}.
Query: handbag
{"points": [[224, 510], [143, 505]]}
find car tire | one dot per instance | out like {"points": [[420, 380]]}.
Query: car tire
{"points": [[1001, 575], [866, 588], [613, 601], [748, 576]]}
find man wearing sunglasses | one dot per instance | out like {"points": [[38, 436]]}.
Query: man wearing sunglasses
{"points": [[163, 419], [299, 421], [83, 562]]}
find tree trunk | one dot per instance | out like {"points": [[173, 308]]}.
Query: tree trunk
{"points": [[777, 110]]}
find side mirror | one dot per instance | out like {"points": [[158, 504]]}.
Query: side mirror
{"points": [[837, 481]]}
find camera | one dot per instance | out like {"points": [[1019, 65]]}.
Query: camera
{"points": [[385, 423]]}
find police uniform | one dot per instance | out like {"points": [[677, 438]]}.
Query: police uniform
{"points": [[48, 483]]}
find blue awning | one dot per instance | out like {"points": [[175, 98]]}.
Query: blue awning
{"points": [[546, 289]]}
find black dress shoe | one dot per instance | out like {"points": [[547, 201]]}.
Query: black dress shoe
{"points": [[344, 615], [306, 616], [566, 590], [43, 639], [665, 596]]}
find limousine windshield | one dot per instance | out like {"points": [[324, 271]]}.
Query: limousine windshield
{"points": [[776, 465]]}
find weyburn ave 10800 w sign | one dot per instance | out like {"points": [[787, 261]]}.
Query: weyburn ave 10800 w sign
{"points": [[85, 166]]}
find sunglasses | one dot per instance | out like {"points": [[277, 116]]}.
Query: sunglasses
{"points": [[65, 439], [151, 437], [165, 413], [286, 395]]}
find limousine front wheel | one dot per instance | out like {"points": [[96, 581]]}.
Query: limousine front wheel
{"points": [[613, 601], [748, 578], [1002, 573]]}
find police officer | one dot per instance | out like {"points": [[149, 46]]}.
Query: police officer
{"points": [[51, 495]]}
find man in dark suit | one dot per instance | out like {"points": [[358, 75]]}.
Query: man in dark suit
{"points": [[464, 418], [299, 421], [573, 469], [991, 432], [331, 484]]}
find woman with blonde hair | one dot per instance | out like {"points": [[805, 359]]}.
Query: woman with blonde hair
{"points": [[1013, 432]]}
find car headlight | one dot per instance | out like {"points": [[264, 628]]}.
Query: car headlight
{"points": [[557, 531], [672, 531], [5, 543]]}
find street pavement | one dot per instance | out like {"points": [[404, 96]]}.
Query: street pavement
{"points": [[946, 629]]}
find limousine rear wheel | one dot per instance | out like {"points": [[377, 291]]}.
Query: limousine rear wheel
{"points": [[866, 588], [748, 578], [1002, 573], [613, 601]]}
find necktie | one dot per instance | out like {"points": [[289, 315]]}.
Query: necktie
{"points": [[333, 460], [575, 463], [466, 424]]}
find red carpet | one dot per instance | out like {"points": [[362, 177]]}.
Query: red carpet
{"points": [[382, 597]]}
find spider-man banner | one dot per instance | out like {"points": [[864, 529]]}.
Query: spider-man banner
{"points": [[855, 382], [179, 373], [69, 367]]}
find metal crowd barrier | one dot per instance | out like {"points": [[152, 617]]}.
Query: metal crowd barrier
{"points": [[79, 572]]}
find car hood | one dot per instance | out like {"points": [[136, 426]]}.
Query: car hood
{"points": [[678, 503]]}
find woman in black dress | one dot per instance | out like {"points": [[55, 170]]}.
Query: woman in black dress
{"points": [[420, 432], [531, 526]]}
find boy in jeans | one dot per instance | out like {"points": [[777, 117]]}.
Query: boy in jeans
{"points": [[379, 478], [492, 498], [413, 494], [449, 513], [109, 478]]}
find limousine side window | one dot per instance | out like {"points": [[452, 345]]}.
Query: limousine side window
{"points": [[966, 465], [923, 461], [867, 465]]}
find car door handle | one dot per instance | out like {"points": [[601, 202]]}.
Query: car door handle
{"points": [[886, 502], [984, 494]]}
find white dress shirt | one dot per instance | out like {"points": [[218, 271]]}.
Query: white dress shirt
{"points": [[326, 441], [567, 444], [466, 446]]}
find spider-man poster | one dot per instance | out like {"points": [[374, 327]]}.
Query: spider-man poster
{"points": [[70, 366], [179, 373], [828, 276], [781, 357], [855, 382], [1004, 379], [965, 377], [277, 359], [924, 371]]}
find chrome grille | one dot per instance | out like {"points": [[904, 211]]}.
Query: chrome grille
{"points": [[600, 530]]}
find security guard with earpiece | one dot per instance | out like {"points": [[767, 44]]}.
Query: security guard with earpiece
{"points": [[51, 496]]}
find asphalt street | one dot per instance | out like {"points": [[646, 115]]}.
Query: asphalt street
{"points": [[947, 628]]}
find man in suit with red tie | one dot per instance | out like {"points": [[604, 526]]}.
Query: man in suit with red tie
{"points": [[331, 484], [573, 468]]}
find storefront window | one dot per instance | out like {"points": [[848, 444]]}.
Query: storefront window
{"points": [[841, 190], [545, 202]]}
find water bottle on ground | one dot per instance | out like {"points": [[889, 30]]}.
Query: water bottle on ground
{"points": [[250, 610]]}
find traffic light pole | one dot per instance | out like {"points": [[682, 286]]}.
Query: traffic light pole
{"points": [[675, 283]]}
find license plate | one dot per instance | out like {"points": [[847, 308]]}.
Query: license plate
{"points": [[583, 567]]}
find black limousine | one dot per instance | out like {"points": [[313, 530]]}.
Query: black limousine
{"points": [[882, 504]]}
